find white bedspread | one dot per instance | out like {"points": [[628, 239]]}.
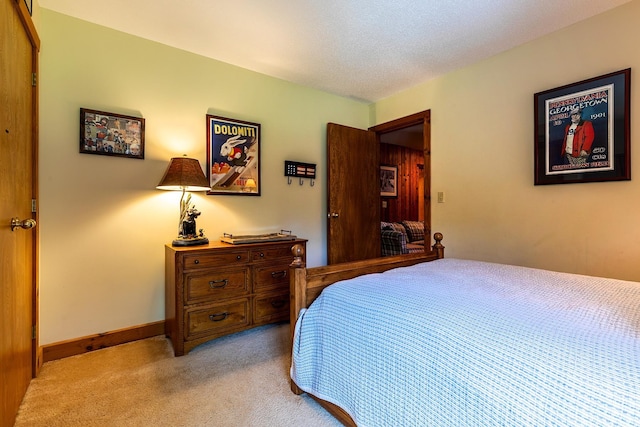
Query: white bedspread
{"points": [[464, 343]]}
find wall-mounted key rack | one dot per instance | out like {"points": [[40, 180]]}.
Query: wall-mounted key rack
{"points": [[300, 170]]}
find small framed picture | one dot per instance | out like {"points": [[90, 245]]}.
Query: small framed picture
{"points": [[111, 134], [582, 131], [389, 181], [233, 156]]}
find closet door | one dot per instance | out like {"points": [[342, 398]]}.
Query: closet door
{"points": [[353, 190], [18, 152]]}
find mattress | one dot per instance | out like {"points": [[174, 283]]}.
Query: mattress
{"points": [[464, 343]]}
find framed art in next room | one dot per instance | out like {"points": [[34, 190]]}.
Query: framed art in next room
{"points": [[582, 131], [389, 181]]}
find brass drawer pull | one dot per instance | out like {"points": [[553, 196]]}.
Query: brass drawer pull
{"points": [[196, 261], [278, 303], [279, 274], [218, 284], [218, 317], [238, 257]]}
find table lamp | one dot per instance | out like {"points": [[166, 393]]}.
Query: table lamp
{"points": [[185, 174]]}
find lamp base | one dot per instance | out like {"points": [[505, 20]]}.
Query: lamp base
{"points": [[194, 241]]}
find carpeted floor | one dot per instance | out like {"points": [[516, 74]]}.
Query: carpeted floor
{"points": [[238, 380]]}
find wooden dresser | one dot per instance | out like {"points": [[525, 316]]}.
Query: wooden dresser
{"points": [[218, 289]]}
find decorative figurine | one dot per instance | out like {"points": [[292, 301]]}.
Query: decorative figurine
{"points": [[189, 225], [187, 228]]}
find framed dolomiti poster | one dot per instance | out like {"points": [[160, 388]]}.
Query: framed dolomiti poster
{"points": [[233, 156], [582, 131]]}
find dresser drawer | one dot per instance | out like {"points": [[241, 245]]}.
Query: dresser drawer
{"points": [[216, 284], [271, 277], [215, 259], [271, 308], [272, 253], [217, 318], [220, 289]]}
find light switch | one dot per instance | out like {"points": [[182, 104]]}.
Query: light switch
{"points": [[440, 196]]}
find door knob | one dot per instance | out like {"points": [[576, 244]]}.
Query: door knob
{"points": [[333, 215], [26, 224]]}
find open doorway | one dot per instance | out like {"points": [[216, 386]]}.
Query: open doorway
{"points": [[353, 189], [405, 148]]}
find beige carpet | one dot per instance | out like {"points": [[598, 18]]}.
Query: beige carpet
{"points": [[238, 380]]}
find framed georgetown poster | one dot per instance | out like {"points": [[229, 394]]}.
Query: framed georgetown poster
{"points": [[582, 131], [233, 156]]}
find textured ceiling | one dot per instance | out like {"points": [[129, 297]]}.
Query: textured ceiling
{"points": [[364, 49]]}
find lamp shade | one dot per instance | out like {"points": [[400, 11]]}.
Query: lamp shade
{"points": [[184, 173]]}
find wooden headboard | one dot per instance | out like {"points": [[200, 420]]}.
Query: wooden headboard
{"points": [[305, 284]]}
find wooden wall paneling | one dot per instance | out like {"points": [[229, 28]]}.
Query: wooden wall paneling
{"points": [[407, 205]]}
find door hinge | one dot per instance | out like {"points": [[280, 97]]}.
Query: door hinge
{"points": [[34, 79], [33, 206], [33, 332]]}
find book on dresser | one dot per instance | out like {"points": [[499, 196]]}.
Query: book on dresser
{"points": [[221, 288]]}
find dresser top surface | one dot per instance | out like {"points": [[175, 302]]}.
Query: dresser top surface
{"points": [[223, 245]]}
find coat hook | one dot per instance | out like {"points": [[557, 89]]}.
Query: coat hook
{"points": [[289, 180], [312, 182], [301, 181]]}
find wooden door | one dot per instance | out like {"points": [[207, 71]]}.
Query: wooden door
{"points": [[353, 190], [18, 133]]}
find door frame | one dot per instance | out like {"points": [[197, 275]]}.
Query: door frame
{"points": [[423, 118]]}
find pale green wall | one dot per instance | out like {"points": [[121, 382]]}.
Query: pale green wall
{"points": [[482, 155], [103, 223]]}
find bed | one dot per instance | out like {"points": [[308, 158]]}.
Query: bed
{"points": [[423, 340]]}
